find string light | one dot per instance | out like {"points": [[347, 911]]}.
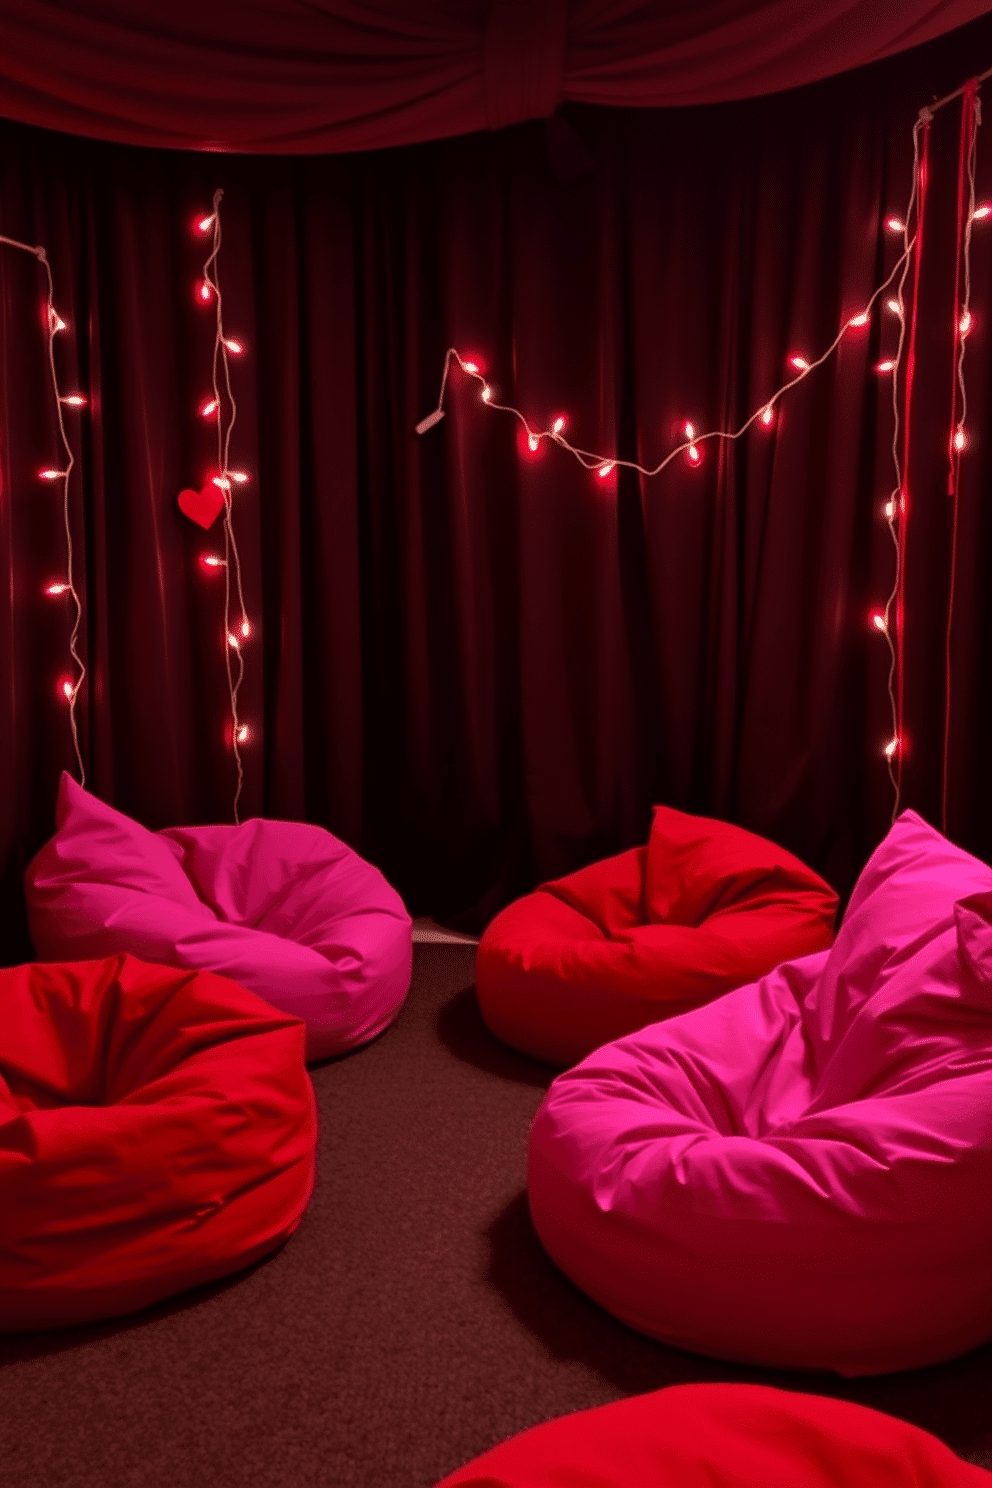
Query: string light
{"points": [[67, 688], [225, 346], [886, 366]]}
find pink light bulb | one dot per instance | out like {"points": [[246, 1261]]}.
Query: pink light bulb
{"points": [[605, 468], [219, 480], [239, 477], [879, 621], [205, 224], [533, 443], [689, 431], [67, 690], [210, 561], [203, 292], [884, 366], [487, 393], [768, 416], [51, 475], [964, 324], [234, 347], [859, 320], [471, 366], [960, 439], [55, 321], [56, 589], [894, 306], [892, 747], [693, 455], [895, 224], [558, 425], [800, 363], [209, 408], [232, 641], [74, 400], [980, 213], [245, 629], [244, 734]]}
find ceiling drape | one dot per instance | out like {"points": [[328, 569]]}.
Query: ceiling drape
{"points": [[321, 76]]}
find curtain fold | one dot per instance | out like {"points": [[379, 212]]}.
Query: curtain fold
{"points": [[478, 664], [299, 77]]}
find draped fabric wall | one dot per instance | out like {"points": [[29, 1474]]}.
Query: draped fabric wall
{"points": [[478, 668]]}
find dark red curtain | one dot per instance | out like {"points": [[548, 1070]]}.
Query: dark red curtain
{"points": [[479, 668], [309, 76]]}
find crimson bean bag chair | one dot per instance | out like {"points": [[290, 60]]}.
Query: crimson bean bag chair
{"points": [[157, 1130], [799, 1174], [282, 907], [705, 907], [722, 1436]]}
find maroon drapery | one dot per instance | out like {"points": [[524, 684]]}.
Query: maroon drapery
{"points": [[478, 668], [314, 76]]}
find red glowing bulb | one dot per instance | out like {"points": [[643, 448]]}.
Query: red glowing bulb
{"points": [[74, 400], [894, 306], [688, 431], [558, 425], [768, 416], [879, 621], [533, 443], [884, 366], [693, 455], [205, 224], [209, 408], [487, 393], [980, 213], [800, 363], [55, 321], [51, 474], [244, 734], [964, 324], [960, 439], [235, 347], [605, 469], [210, 561], [203, 292], [67, 689], [859, 320], [239, 477], [895, 224], [471, 366], [245, 629], [55, 589], [892, 747]]}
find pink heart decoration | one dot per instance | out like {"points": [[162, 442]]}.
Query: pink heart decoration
{"points": [[203, 507]]}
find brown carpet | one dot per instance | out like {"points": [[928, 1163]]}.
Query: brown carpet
{"points": [[411, 1322]]}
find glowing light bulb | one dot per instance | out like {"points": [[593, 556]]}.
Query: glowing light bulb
{"points": [[210, 561], [209, 408], [980, 213], [239, 477], [960, 439], [688, 431], [879, 621], [768, 416], [245, 629], [205, 224], [895, 224], [220, 480], [74, 400], [558, 425], [244, 734], [471, 366], [884, 366], [68, 690], [487, 393], [203, 292], [964, 324], [890, 509], [605, 469], [894, 306], [235, 347], [56, 589], [892, 747], [859, 320], [693, 455], [51, 474], [232, 641], [533, 443], [800, 363], [55, 321]]}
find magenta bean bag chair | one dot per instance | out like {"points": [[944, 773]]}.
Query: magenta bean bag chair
{"points": [[283, 908], [649, 933], [799, 1174], [158, 1130], [722, 1436]]}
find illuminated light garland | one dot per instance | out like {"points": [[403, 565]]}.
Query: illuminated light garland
{"points": [[896, 508], [971, 118], [225, 479], [68, 687]]}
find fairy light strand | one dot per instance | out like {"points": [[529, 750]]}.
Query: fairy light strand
{"points": [[971, 118], [225, 480], [55, 324]]}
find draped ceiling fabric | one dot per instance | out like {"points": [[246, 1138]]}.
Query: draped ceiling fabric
{"points": [[478, 668], [314, 76]]}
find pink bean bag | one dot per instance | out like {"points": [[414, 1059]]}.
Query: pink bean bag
{"points": [[647, 934], [157, 1130], [722, 1436], [799, 1174], [283, 908]]}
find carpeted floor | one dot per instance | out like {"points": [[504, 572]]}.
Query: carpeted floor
{"points": [[411, 1322]]}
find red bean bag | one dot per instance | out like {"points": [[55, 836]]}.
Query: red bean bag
{"points": [[704, 908], [722, 1436], [157, 1130]]}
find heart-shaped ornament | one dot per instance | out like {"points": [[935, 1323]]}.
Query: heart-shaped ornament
{"points": [[202, 507]]}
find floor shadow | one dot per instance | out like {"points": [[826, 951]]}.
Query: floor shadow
{"points": [[19, 1347], [950, 1400], [463, 1033]]}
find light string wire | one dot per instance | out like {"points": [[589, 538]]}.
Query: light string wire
{"points": [[971, 118], [221, 366], [896, 509], [55, 323]]}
